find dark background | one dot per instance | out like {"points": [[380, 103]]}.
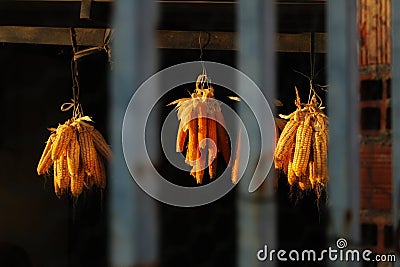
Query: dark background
{"points": [[35, 80]]}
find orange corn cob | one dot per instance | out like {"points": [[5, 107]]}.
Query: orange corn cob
{"points": [[192, 144], [236, 162], [223, 138], [200, 166], [212, 150], [202, 123], [181, 137]]}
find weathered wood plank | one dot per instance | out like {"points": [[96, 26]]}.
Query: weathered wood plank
{"points": [[86, 6], [50, 35], [298, 43], [190, 40]]}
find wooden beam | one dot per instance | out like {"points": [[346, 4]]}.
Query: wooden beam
{"points": [[50, 35], [86, 6], [292, 17], [190, 40], [285, 42]]}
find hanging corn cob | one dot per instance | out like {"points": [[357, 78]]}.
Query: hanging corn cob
{"points": [[76, 149], [302, 151], [198, 117], [77, 152]]}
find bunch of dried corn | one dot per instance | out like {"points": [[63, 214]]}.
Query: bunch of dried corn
{"points": [[302, 148], [77, 152], [200, 118]]}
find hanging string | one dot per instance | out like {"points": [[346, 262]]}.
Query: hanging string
{"points": [[203, 79], [312, 66], [312, 95], [74, 104]]}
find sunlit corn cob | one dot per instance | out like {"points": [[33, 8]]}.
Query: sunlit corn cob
{"points": [[292, 178], [46, 161], [311, 173], [88, 152], [302, 149], [57, 188], [73, 154], [223, 138], [320, 152], [200, 165], [61, 142], [77, 182], [192, 148], [202, 123], [236, 162], [101, 145], [285, 142], [212, 148], [196, 116], [62, 173], [181, 137]]}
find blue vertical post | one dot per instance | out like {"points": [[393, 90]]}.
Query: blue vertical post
{"points": [[256, 58], [343, 101], [395, 9], [133, 228]]}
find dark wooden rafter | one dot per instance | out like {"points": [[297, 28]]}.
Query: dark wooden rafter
{"points": [[179, 23], [165, 39]]}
